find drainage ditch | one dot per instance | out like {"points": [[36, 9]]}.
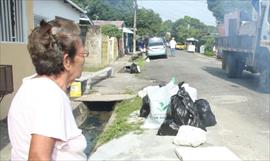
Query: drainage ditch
{"points": [[98, 117]]}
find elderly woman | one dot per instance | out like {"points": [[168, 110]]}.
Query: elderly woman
{"points": [[40, 120]]}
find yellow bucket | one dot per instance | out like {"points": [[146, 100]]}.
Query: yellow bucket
{"points": [[75, 89]]}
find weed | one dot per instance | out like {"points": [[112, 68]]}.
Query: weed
{"points": [[120, 125], [140, 61]]}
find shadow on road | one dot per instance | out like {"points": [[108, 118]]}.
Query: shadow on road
{"points": [[157, 57], [247, 79]]}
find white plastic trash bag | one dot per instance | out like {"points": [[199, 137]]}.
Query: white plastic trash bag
{"points": [[159, 100], [191, 91], [143, 92], [190, 136]]}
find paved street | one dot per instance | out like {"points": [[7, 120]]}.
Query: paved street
{"points": [[242, 111]]}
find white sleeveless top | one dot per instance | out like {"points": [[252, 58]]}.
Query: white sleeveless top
{"points": [[41, 107]]}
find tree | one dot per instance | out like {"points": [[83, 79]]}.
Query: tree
{"points": [[221, 7], [191, 27], [148, 22], [188, 27], [108, 9], [165, 28], [111, 31]]}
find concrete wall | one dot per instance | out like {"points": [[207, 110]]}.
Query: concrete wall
{"points": [[93, 43], [16, 54], [105, 58], [52, 8], [116, 49], [103, 50]]}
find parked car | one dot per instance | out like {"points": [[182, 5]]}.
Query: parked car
{"points": [[180, 46], [156, 47]]}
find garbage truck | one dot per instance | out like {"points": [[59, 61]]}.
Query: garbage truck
{"points": [[244, 42]]}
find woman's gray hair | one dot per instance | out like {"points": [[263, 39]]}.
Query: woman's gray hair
{"points": [[48, 43]]}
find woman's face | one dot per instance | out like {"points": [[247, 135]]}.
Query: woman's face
{"points": [[78, 62]]}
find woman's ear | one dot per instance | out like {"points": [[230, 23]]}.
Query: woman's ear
{"points": [[67, 62]]}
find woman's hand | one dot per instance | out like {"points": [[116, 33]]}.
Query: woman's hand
{"points": [[41, 148]]}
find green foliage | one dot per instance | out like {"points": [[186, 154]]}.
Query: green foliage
{"points": [[209, 44], [120, 126], [190, 27], [221, 7], [108, 9], [165, 28], [111, 31], [209, 53], [148, 22], [140, 61]]}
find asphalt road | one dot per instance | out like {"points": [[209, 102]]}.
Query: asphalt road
{"points": [[241, 110]]}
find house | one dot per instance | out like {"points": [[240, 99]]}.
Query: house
{"points": [[102, 48], [127, 33], [18, 18], [49, 10]]}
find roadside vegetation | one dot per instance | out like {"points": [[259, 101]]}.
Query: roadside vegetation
{"points": [[120, 125], [140, 61]]}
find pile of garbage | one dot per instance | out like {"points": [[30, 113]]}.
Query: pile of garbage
{"points": [[175, 110], [132, 69]]}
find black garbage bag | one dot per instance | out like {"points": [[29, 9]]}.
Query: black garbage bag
{"points": [[134, 68], [168, 127], [183, 110], [145, 109], [205, 113]]}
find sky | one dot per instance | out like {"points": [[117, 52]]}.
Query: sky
{"points": [[176, 9]]}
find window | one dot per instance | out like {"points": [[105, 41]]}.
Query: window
{"points": [[12, 20]]}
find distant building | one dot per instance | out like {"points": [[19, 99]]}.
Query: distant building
{"points": [[127, 37]]}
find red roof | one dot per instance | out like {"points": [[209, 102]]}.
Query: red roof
{"points": [[118, 24]]}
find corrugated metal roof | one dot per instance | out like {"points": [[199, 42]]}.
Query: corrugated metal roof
{"points": [[75, 6], [118, 24]]}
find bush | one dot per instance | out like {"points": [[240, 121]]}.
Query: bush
{"points": [[111, 31]]}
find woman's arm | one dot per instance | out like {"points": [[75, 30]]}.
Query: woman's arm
{"points": [[41, 148]]}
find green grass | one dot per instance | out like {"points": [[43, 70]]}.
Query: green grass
{"points": [[209, 53], [140, 61], [129, 91], [120, 126]]}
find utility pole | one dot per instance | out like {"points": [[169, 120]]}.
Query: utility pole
{"points": [[134, 26]]}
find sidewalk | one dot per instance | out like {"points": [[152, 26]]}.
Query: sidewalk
{"points": [[145, 146], [119, 83]]}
